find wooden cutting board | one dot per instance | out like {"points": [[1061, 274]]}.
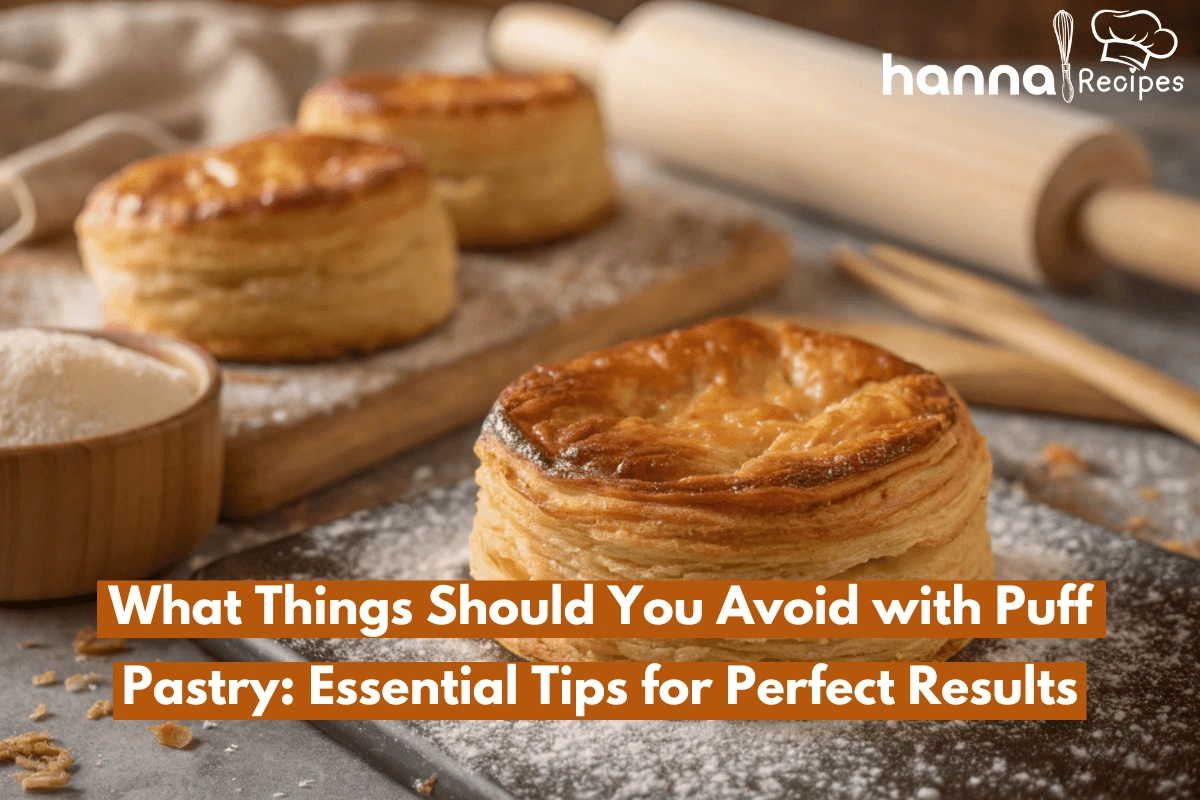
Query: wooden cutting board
{"points": [[668, 258]]}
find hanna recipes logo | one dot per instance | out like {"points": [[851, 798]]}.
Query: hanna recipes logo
{"points": [[1130, 38]]}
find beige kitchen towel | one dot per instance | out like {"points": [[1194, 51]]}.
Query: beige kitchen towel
{"points": [[86, 88]]}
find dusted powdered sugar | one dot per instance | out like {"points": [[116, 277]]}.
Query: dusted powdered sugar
{"points": [[57, 387]]}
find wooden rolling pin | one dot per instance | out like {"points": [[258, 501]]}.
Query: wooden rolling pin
{"points": [[1038, 191]]}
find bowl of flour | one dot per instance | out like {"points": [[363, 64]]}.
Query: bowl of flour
{"points": [[111, 457]]}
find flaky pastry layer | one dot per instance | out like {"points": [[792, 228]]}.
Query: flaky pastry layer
{"points": [[732, 451], [318, 247], [517, 159]]}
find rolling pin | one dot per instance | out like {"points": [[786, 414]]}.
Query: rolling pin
{"points": [[1037, 191]]}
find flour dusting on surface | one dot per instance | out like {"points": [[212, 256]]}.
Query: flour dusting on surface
{"points": [[1142, 692]]}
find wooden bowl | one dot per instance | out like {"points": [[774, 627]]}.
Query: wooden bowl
{"points": [[118, 506]]}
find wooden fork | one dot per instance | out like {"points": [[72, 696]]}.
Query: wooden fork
{"points": [[942, 294]]}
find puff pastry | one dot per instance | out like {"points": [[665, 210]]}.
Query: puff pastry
{"points": [[518, 159], [735, 450], [289, 246]]}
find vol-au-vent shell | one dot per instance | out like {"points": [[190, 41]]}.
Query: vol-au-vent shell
{"points": [[518, 159], [289, 246], [732, 450]]}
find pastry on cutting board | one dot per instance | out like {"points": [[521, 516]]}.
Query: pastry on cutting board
{"points": [[734, 450], [518, 159], [289, 246]]}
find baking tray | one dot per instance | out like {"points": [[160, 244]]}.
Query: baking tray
{"points": [[1139, 741]]}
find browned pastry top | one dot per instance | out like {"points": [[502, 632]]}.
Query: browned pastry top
{"points": [[725, 406], [277, 171], [408, 93]]}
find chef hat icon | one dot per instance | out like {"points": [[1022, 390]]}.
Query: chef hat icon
{"points": [[1132, 37]]}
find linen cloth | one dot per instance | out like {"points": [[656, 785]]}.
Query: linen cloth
{"points": [[86, 88]]}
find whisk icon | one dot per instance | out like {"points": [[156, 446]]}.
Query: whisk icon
{"points": [[1064, 29]]}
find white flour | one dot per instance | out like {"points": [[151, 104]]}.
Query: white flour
{"points": [[56, 387]]}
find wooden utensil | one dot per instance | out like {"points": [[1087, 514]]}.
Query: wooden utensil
{"points": [[1038, 191], [983, 373], [971, 303], [117, 506]]}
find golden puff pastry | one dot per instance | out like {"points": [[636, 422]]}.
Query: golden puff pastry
{"points": [[735, 450], [518, 159], [289, 246]]}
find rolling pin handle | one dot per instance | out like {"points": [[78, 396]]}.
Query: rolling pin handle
{"points": [[1145, 231], [529, 37]]}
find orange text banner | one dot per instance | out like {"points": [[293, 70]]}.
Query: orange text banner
{"points": [[617, 690], [617, 609]]}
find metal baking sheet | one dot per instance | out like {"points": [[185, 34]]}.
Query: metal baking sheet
{"points": [[1139, 740]]}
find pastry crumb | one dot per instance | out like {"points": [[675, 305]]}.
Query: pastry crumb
{"points": [[77, 683], [45, 678], [425, 786], [39, 713], [172, 734], [100, 708], [86, 643], [26, 644], [209, 725], [1063, 461], [47, 763], [306, 783], [1148, 493], [231, 749], [43, 779]]}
